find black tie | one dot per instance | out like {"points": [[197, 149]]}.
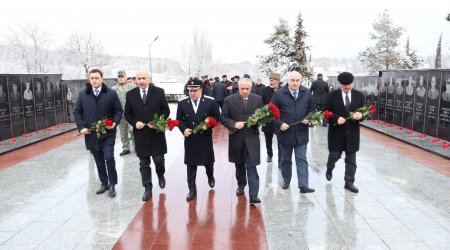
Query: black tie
{"points": [[347, 102], [244, 101], [295, 95], [195, 102], [144, 96]]}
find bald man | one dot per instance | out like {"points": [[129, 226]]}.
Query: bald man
{"points": [[140, 106]]}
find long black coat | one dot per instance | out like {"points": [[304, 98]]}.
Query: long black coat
{"points": [[219, 91], [291, 111], [319, 89], [267, 94], [147, 141], [198, 148], [343, 137], [90, 109], [233, 111]]}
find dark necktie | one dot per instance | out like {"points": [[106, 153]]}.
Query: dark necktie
{"points": [[244, 101], [295, 95], [347, 102], [144, 96], [195, 102]]}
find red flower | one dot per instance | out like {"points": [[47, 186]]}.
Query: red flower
{"points": [[108, 122], [380, 123], [211, 123], [372, 109], [24, 135], [1, 143], [275, 110], [409, 132], [399, 128], [327, 114], [172, 123], [390, 125], [13, 140], [445, 145], [433, 140]]}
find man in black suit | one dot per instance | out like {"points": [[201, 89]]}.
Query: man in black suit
{"points": [[345, 135], [319, 89], [198, 148], [140, 106], [243, 145]]}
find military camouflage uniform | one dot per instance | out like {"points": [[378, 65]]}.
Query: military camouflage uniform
{"points": [[126, 131]]}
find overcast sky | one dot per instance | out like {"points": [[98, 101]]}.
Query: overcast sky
{"points": [[235, 28]]}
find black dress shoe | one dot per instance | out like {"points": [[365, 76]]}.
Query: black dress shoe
{"points": [[112, 191], [240, 191], [162, 182], [211, 182], [285, 185], [254, 199], [329, 174], [147, 194], [350, 187], [191, 195], [102, 189], [124, 152], [305, 190], [269, 159]]}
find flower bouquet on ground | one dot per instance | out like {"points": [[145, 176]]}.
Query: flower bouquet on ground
{"points": [[209, 122], [161, 124], [262, 116], [99, 127]]}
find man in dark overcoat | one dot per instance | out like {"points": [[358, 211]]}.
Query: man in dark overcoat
{"points": [[319, 89], [198, 148], [96, 102], [344, 136], [295, 102], [219, 92], [243, 144], [140, 106]]}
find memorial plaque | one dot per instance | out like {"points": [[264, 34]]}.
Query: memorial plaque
{"points": [[72, 87], [5, 122], [58, 99], [432, 103], [420, 98], [39, 102], [16, 106], [382, 94], [444, 109], [399, 98], [408, 103], [390, 98], [49, 101], [28, 103]]}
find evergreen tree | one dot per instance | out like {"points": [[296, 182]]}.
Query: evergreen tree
{"points": [[448, 17], [299, 56], [438, 60], [411, 60], [282, 50], [384, 54]]}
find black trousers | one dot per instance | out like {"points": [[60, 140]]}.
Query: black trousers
{"points": [[192, 175], [269, 139], [350, 163], [146, 170]]}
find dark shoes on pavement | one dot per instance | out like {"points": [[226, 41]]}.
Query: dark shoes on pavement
{"points": [[162, 182], [285, 185], [254, 199], [329, 174], [112, 191], [102, 189], [240, 191], [350, 187], [305, 190], [124, 152], [269, 159], [211, 182], [191, 195], [147, 194]]}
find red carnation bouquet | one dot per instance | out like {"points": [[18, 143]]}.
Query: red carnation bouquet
{"points": [[161, 124], [100, 126], [264, 115], [209, 122]]}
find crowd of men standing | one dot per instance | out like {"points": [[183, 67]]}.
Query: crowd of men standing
{"points": [[231, 103]]}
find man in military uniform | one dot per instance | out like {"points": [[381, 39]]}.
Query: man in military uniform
{"points": [[198, 148], [122, 87]]}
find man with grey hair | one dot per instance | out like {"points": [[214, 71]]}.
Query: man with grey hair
{"points": [[295, 102], [243, 144]]}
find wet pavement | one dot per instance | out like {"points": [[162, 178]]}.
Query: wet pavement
{"points": [[49, 202]]}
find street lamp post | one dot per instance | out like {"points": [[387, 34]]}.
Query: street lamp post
{"points": [[150, 55]]}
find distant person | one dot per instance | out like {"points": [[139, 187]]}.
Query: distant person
{"points": [[235, 86], [125, 129], [294, 102], [209, 87], [227, 84], [97, 102], [27, 93], [345, 135], [130, 80], [258, 87], [319, 89], [433, 93], [219, 92]]}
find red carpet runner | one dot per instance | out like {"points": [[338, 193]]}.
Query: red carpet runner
{"points": [[216, 219]]}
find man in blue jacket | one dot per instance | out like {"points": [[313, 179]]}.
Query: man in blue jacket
{"points": [[97, 102], [294, 102]]}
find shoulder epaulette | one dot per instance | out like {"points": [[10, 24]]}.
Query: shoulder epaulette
{"points": [[184, 98], [209, 97]]}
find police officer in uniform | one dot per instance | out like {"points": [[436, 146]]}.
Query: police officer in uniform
{"points": [[121, 88], [198, 148]]}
